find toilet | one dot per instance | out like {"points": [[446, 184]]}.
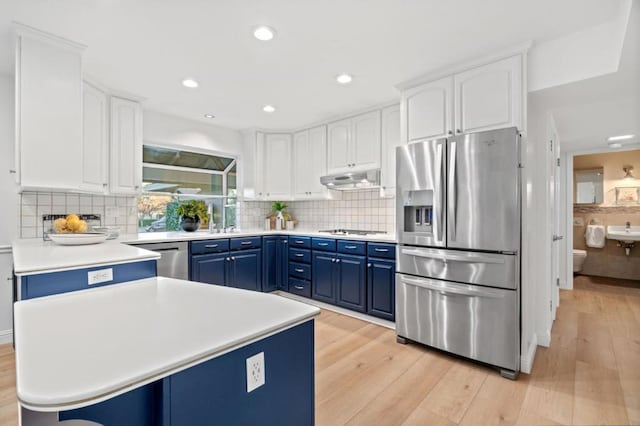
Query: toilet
{"points": [[579, 257]]}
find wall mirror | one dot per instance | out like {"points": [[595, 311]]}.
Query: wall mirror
{"points": [[589, 186]]}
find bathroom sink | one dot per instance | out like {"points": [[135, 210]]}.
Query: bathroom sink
{"points": [[624, 234]]}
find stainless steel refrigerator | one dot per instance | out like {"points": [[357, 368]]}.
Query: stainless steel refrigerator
{"points": [[458, 227]]}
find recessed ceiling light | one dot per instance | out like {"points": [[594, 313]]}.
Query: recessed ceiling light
{"points": [[620, 138], [190, 83], [615, 145], [268, 108], [209, 116], [264, 33], [344, 78]]}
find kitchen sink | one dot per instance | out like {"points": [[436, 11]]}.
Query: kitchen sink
{"points": [[624, 234]]}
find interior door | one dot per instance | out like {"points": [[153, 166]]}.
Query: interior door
{"points": [[483, 196], [553, 162]]}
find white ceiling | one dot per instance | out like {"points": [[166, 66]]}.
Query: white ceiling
{"points": [[146, 47], [587, 112]]}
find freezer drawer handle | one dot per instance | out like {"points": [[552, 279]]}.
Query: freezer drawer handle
{"points": [[445, 289], [471, 258]]}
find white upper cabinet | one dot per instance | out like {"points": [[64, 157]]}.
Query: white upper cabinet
{"points": [[489, 97], [354, 143], [390, 141], [309, 163], [429, 110], [482, 98], [275, 153], [48, 111], [125, 175], [95, 139]]}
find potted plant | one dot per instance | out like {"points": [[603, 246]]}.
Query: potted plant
{"points": [[191, 214], [279, 208]]}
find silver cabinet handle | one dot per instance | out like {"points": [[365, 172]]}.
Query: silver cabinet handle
{"points": [[453, 192], [444, 288], [299, 270], [351, 247], [381, 250], [337, 260], [299, 255], [211, 246], [228, 259], [297, 287], [369, 265], [450, 132], [333, 260], [299, 242], [245, 243], [233, 258], [445, 257], [284, 242], [323, 244]]}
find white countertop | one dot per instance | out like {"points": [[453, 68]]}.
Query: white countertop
{"points": [[159, 237], [34, 256], [80, 348]]}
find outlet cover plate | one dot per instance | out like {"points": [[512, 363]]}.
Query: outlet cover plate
{"points": [[255, 372], [100, 276]]}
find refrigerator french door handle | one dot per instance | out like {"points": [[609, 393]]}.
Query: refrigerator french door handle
{"points": [[444, 288], [468, 258], [453, 192], [440, 194]]}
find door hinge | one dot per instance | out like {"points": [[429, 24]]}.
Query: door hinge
{"points": [[551, 145], [557, 282], [550, 305], [558, 162]]}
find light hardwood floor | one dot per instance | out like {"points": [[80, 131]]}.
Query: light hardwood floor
{"points": [[589, 375]]}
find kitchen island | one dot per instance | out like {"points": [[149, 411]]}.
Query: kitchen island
{"points": [[162, 351]]}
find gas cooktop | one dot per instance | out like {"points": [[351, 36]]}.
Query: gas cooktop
{"points": [[351, 232]]}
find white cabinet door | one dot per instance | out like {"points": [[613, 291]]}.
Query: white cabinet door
{"points": [[277, 167], [95, 140], [365, 140], [489, 97], [390, 140], [317, 161], [301, 164], [126, 147], [6, 295], [338, 150], [48, 112], [428, 111]]}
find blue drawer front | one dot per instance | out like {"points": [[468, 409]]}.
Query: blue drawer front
{"points": [[66, 281], [300, 255], [209, 246], [300, 287], [387, 251], [300, 270], [352, 247], [246, 243], [300, 242], [325, 244]]}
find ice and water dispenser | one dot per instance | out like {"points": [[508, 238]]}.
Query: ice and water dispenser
{"points": [[418, 211]]}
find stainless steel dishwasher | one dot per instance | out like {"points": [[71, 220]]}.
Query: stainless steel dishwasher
{"points": [[174, 258]]}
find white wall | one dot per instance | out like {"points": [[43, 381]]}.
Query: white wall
{"points": [[9, 211]]}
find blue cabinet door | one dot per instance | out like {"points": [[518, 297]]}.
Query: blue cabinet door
{"points": [[245, 269], [210, 268], [351, 282], [323, 272], [270, 265], [381, 288], [283, 263]]}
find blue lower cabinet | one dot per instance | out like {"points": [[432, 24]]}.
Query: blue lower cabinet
{"points": [[300, 287], [210, 268], [245, 269], [323, 283], [270, 263], [215, 392], [46, 284], [381, 288], [283, 263], [351, 282]]}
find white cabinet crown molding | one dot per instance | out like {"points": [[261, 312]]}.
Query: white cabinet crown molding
{"points": [[22, 30]]}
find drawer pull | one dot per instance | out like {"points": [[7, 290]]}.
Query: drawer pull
{"points": [[297, 287], [211, 246], [299, 255], [245, 243], [299, 270], [299, 242], [323, 244], [351, 247], [381, 250]]}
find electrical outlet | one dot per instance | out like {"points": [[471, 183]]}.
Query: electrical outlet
{"points": [[255, 371], [100, 276]]}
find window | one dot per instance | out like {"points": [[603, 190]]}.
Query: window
{"points": [[171, 176]]}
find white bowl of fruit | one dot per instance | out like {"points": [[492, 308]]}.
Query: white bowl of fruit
{"points": [[72, 231]]}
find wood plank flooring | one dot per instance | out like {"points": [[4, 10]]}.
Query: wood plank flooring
{"points": [[589, 375]]}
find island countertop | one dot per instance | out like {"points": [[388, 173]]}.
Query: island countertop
{"points": [[80, 348]]}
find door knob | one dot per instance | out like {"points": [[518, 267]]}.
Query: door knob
{"points": [[557, 237]]}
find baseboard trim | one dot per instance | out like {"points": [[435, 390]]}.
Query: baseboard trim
{"points": [[6, 336], [526, 360], [544, 339], [338, 309]]}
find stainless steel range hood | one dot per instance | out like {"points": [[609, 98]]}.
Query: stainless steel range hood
{"points": [[352, 180]]}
